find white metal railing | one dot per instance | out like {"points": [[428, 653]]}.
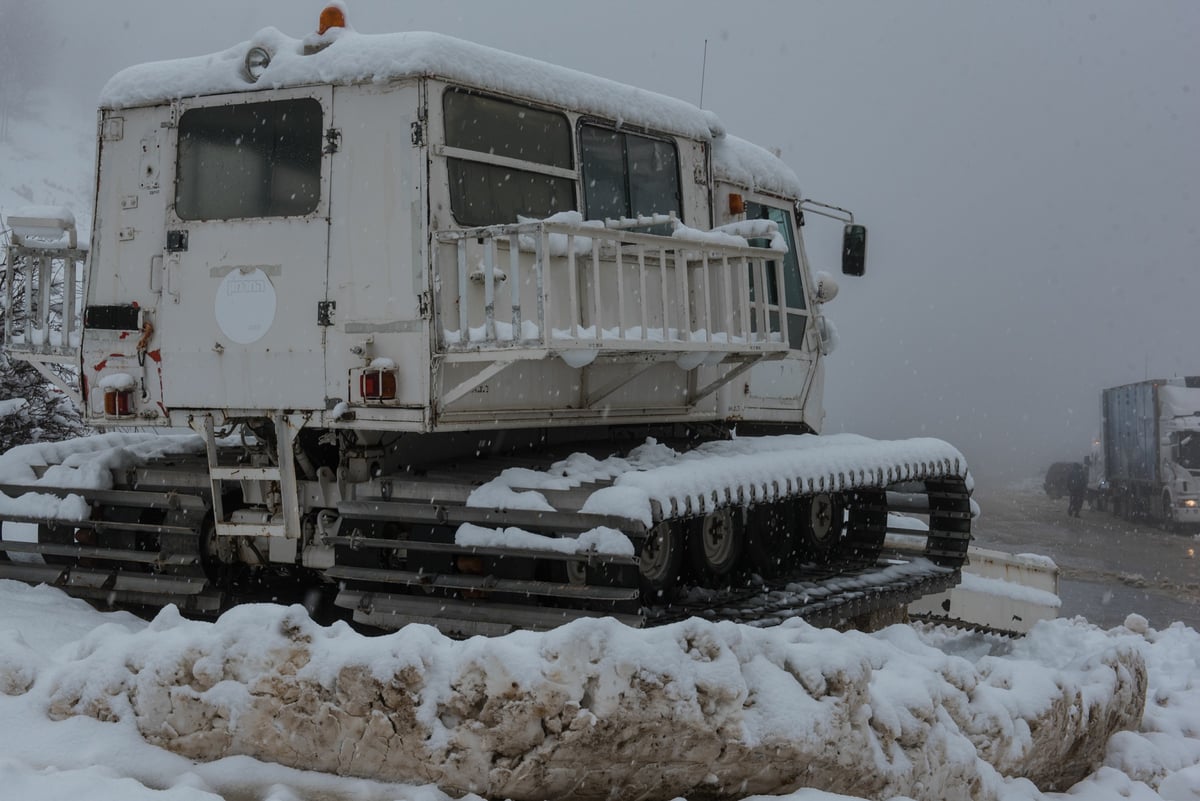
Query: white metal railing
{"points": [[559, 285], [42, 297], [42, 293]]}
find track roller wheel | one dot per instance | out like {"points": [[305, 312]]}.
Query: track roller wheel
{"points": [[715, 544], [772, 544], [660, 560], [821, 525], [575, 573]]}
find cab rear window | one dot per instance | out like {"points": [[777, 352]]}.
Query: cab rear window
{"points": [[249, 160]]}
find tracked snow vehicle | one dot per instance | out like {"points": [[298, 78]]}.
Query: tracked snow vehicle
{"points": [[465, 338]]}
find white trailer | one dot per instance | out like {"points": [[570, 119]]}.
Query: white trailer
{"points": [[1149, 450]]}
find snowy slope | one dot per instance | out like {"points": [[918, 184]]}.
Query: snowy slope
{"points": [[49, 159]]}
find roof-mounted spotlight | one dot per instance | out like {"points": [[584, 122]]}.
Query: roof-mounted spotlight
{"points": [[257, 60]]}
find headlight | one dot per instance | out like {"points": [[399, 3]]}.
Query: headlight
{"points": [[1190, 503], [257, 60]]}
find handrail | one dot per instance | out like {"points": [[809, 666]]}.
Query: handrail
{"points": [[43, 292], [586, 285]]}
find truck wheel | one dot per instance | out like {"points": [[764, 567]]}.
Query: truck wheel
{"points": [[1168, 513]]}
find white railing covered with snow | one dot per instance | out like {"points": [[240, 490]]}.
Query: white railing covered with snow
{"points": [[42, 289], [567, 284]]}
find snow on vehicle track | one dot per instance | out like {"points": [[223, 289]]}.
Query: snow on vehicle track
{"points": [[580, 531]]}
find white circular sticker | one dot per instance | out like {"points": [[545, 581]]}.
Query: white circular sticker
{"points": [[245, 304]]}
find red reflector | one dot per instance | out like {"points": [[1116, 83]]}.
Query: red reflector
{"points": [[377, 384]]}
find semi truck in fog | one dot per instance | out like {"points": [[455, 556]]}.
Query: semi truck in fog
{"points": [[1146, 463]]}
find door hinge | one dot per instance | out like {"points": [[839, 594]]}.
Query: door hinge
{"points": [[325, 312], [418, 133], [173, 115], [424, 305], [333, 140]]}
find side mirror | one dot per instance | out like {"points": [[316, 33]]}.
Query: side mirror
{"points": [[854, 249]]}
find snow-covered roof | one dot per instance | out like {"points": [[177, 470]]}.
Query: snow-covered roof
{"points": [[1179, 401], [740, 162], [347, 57]]}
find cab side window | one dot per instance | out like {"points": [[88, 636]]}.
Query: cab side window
{"points": [[505, 159], [627, 174]]}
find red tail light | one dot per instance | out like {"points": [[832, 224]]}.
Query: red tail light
{"points": [[376, 384], [118, 403]]}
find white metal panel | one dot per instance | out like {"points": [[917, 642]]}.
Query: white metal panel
{"points": [[239, 326], [125, 264], [378, 241]]}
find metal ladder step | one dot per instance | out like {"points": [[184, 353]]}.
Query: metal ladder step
{"points": [[456, 581], [283, 473], [355, 543], [461, 618], [92, 552]]}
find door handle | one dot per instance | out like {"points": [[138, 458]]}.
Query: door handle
{"points": [[170, 264]]}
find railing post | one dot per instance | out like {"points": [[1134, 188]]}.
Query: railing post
{"points": [[489, 289], [597, 319], [464, 325], [743, 285], [662, 274], [45, 266], [514, 278], [727, 298], [68, 308], [621, 327], [685, 301], [573, 286], [541, 253], [30, 269], [704, 274], [643, 300], [9, 296]]}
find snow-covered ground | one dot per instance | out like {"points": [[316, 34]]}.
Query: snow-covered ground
{"points": [[86, 698], [55, 651]]}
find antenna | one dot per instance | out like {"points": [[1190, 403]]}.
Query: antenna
{"points": [[703, 70]]}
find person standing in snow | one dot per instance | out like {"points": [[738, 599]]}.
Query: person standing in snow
{"points": [[1076, 488]]}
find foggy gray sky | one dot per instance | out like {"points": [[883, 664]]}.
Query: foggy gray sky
{"points": [[1028, 172]]}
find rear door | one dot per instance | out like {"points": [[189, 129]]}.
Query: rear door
{"points": [[246, 263]]}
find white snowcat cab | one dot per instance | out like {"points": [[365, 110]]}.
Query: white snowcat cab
{"points": [[397, 266]]}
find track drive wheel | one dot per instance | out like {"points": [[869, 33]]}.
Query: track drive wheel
{"points": [[660, 561]]}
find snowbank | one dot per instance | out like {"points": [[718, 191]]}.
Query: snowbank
{"points": [[697, 709]]}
